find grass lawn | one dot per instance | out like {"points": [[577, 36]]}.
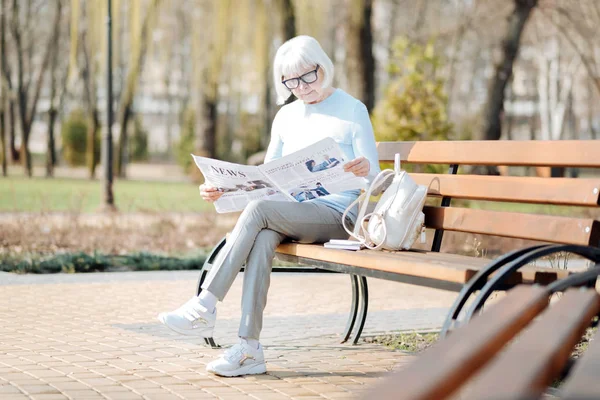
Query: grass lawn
{"points": [[79, 195]]}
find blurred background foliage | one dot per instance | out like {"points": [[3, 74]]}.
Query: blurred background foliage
{"points": [[194, 76]]}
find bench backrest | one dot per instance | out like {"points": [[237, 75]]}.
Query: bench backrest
{"points": [[583, 192]]}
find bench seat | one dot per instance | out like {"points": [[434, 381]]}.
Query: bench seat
{"points": [[427, 268]]}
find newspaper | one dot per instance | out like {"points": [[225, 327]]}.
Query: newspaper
{"points": [[315, 171]]}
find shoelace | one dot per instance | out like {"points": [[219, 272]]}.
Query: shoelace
{"points": [[234, 354], [191, 310]]}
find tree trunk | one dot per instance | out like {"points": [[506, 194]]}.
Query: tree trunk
{"points": [[366, 47], [289, 30], [89, 89], [509, 118], [12, 132], [123, 121], [91, 151], [51, 145], [25, 130], [3, 88], [21, 87], [510, 48], [360, 63], [9, 103], [456, 47], [421, 13], [289, 19], [209, 128], [3, 136], [52, 110], [590, 113], [268, 107], [169, 116], [128, 94], [27, 111], [26, 155]]}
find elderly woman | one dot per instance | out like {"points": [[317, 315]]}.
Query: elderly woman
{"points": [[301, 68]]}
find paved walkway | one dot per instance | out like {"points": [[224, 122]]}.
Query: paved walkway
{"points": [[95, 336]]}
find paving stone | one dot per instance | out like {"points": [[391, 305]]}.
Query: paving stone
{"points": [[6, 389], [39, 389], [57, 396], [115, 388]]}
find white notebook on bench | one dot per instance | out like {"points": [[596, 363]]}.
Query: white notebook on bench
{"points": [[343, 244]]}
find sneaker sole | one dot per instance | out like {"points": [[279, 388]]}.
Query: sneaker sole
{"points": [[255, 369], [200, 332]]}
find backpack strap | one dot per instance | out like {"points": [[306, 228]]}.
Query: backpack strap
{"points": [[380, 178]]}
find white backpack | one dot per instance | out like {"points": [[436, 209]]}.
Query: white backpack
{"points": [[398, 217]]}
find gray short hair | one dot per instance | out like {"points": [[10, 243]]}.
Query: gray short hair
{"points": [[294, 57]]}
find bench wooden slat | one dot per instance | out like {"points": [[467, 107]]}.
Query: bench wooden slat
{"points": [[560, 191], [423, 264], [545, 228], [440, 266], [527, 366], [565, 153], [441, 369], [583, 382]]}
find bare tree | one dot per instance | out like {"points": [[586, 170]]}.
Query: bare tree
{"points": [[133, 75], [263, 36], [465, 18], [503, 70], [289, 28], [360, 63], [289, 18], [89, 73], [10, 99], [555, 83], [579, 26], [185, 70], [27, 94], [208, 75], [56, 96], [3, 87]]}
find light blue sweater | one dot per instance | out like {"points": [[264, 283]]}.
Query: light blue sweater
{"points": [[341, 117]]}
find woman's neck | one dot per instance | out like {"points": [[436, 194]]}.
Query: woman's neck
{"points": [[326, 93]]}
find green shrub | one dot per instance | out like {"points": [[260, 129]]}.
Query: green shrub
{"points": [[97, 262], [74, 139], [414, 105], [138, 145]]}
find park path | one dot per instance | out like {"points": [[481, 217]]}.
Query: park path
{"points": [[95, 336]]}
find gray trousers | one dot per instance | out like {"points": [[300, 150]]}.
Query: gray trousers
{"points": [[257, 233]]}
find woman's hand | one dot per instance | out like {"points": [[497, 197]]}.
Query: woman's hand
{"points": [[210, 193], [359, 166]]}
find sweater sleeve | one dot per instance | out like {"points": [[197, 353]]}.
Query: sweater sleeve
{"points": [[363, 140], [274, 151]]}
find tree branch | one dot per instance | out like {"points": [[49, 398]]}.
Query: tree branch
{"points": [[44, 66], [588, 67]]}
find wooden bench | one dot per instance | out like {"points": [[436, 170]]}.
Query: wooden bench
{"points": [[482, 359], [560, 230]]}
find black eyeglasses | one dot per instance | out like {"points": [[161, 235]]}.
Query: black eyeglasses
{"points": [[308, 78]]}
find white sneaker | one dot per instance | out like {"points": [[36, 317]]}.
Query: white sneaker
{"points": [[241, 359], [191, 319]]}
